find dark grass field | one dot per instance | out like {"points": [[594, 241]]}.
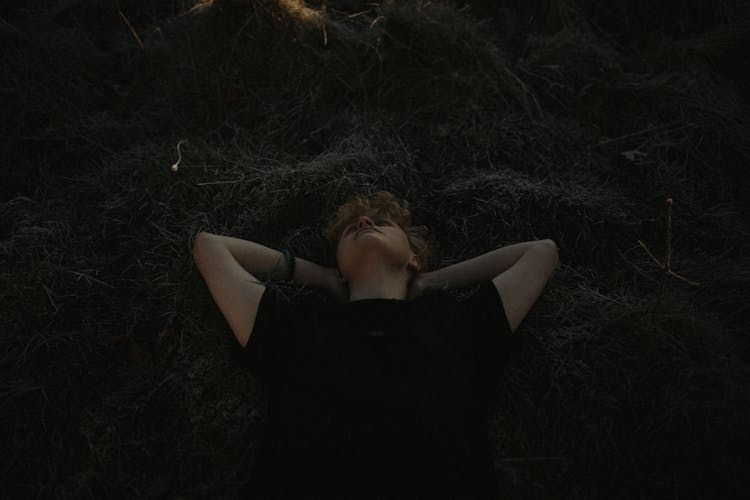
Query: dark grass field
{"points": [[499, 122]]}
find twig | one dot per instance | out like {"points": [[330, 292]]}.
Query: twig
{"points": [[217, 182], [531, 459], [137, 38], [694, 283], [179, 156], [322, 19], [84, 275], [7, 29], [650, 254], [645, 131], [668, 258], [356, 14], [667, 266]]}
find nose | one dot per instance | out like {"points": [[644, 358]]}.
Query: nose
{"points": [[363, 221]]}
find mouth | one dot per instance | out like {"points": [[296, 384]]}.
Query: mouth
{"points": [[365, 229]]}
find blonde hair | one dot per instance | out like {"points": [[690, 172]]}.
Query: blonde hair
{"points": [[382, 203]]}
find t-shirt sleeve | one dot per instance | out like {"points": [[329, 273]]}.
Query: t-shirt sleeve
{"points": [[487, 329], [273, 334]]}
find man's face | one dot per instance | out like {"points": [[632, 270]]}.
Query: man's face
{"points": [[372, 238]]}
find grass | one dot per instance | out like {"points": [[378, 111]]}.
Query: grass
{"points": [[567, 120]]}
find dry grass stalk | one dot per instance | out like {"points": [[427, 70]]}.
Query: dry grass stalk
{"points": [[137, 38], [667, 266]]}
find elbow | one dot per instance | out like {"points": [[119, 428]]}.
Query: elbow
{"points": [[203, 235], [199, 241], [552, 245]]}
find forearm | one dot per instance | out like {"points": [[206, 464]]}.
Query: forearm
{"points": [[267, 264], [479, 269]]}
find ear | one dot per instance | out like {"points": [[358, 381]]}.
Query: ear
{"points": [[414, 264]]}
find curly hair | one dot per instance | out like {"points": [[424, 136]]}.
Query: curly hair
{"points": [[382, 203]]}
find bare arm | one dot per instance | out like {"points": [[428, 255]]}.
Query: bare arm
{"points": [[478, 269], [269, 264], [519, 273], [235, 271]]}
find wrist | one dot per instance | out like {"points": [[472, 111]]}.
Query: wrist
{"points": [[312, 275], [426, 281], [330, 276]]}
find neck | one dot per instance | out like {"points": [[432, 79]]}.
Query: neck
{"points": [[378, 285]]}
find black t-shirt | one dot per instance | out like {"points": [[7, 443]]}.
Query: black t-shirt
{"points": [[378, 398]]}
